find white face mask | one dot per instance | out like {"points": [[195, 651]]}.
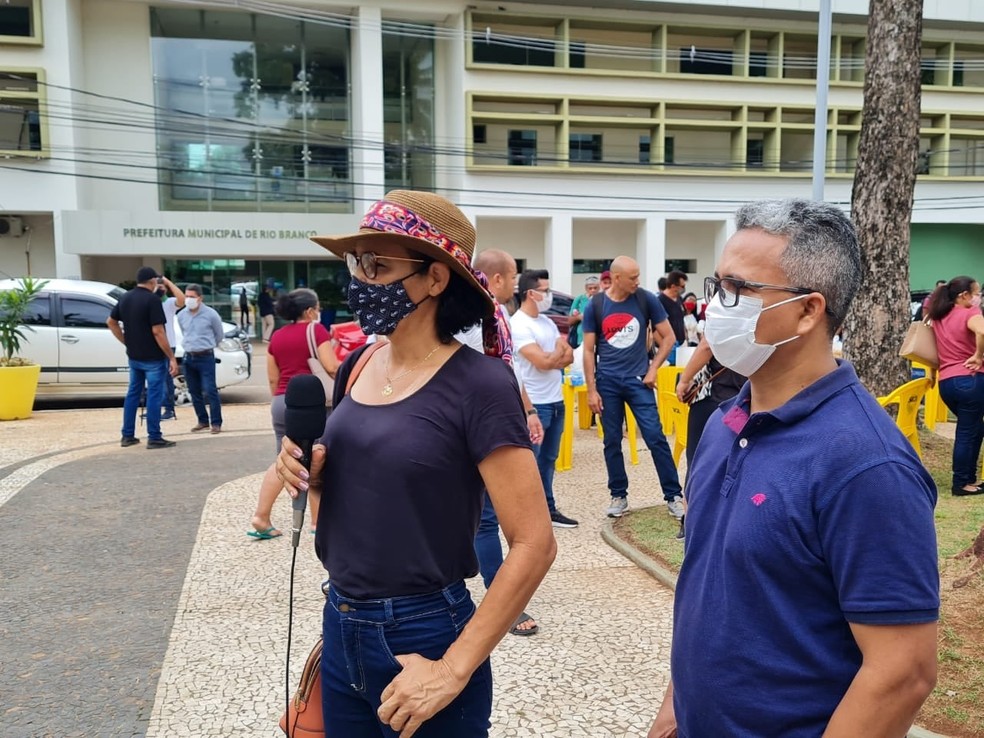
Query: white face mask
{"points": [[730, 332], [545, 304], [191, 303]]}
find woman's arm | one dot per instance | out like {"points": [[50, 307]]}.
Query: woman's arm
{"points": [[425, 687], [698, 360], [273, 373], [328, 359]]}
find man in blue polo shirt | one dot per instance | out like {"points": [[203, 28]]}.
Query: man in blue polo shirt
{"points": [[808, 598]]}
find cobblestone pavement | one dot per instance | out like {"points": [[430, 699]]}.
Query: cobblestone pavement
{"points": [[135, 605]]}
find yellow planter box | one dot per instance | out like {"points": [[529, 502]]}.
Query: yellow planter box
{"points": [[18, 385]]}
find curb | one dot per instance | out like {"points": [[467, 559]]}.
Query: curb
{"points": [[668, 579]]}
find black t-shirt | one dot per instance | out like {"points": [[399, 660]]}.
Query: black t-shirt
{"points": [[402, 492], [139, 310], [265, 303], [674, 313]]}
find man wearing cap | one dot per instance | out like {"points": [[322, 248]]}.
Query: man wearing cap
{"points": [[605, 282], [137, 321], [201, 329], [591, 286]]}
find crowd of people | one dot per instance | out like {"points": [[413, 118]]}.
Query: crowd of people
{"points": [[808, 598]]}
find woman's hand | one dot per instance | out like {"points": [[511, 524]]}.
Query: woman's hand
{"points": [[417, 693], [973, 363], [291, 471], [681, 389]]}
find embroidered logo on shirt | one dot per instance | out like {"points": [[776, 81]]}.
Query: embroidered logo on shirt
{"points": [[758, 499]]}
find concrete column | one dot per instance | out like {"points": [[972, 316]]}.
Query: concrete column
{"points": [[367, 107], [651, 251], [725, 230], [449, 113], [67, 265], [560, 252]]}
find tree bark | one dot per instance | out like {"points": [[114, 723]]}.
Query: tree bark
{"points": [[976, 552], [881, 200]]}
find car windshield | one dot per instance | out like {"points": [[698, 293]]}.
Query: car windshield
{"points": [[116, 293]]}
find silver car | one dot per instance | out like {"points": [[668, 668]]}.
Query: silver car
{"points": [[79, 355]]}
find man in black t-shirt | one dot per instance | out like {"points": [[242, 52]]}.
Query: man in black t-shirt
{"points": [[669, 298], [137, 321]]}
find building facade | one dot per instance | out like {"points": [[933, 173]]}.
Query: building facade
{"points": [[213, 140]]}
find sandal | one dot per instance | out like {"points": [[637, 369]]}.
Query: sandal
{"points": [[517, 631]]}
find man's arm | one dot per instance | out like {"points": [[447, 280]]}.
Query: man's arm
{"points": [[161, 337], [217, 331], [542, 361], [116, 329], [176, 293], [897, 674]]}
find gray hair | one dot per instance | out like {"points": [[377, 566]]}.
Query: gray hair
{"points": [[822, 253]]}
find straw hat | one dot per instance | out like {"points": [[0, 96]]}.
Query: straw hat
{"points": [[424, 222]]}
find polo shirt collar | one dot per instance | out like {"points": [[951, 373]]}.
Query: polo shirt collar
{"points": [[800, 405]]}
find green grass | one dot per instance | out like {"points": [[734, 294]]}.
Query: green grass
{"points": [[956, 707]]}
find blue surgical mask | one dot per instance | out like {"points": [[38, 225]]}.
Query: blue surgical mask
{"points": [[380, 307]]}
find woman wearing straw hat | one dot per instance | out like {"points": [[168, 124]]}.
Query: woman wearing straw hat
{"points": [[426, 426]]}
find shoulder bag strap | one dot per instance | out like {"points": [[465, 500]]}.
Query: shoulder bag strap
{"points": [[312, 346], [360, 364]]}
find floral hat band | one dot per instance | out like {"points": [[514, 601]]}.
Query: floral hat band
{"points": [[391, 217]]}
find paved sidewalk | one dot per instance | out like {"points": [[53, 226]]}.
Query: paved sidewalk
{"points": [[131, 591]]}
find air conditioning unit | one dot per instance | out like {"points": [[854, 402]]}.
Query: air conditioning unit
{"points": [[11, 226]]}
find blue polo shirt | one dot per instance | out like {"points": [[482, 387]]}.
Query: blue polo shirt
{"points": [[800, 521]]}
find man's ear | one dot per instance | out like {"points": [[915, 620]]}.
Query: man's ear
{"points": [[814, 313]]}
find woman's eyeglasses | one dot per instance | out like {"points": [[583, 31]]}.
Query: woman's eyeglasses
{"points": [[368, 262]]}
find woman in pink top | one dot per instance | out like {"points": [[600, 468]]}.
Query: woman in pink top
{"points": [[955, 311]]}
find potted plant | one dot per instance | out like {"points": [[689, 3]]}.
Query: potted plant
{"points": [[18, 375]]}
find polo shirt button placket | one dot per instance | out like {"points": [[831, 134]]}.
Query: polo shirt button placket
{"points": [[743, 442]]}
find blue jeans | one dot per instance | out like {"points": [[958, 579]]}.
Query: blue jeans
{"points": [[615, 393], [361, 638], [488, 548], [965, 398], [152, 374], [552, 417], [199, 373]]}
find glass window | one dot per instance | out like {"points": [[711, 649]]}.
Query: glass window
{"points": [[20, 21], [260, 96], [20, 113], [77, 312], [585, 147], [408, 109], [522, 148], [521, 42], [39, 311]]}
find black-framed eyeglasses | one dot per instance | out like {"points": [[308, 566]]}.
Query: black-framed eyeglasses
{"points": [[368, 262], [727, 290]]}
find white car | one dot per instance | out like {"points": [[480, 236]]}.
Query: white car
{"points": [[78, 353]]}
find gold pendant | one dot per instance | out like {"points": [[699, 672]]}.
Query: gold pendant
{"points": [[387, 390]]}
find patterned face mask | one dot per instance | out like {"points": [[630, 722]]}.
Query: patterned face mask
{"points": [[380, 307]]}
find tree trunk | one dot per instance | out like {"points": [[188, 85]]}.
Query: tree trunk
{"points": [[976, 552], [881, 201]]}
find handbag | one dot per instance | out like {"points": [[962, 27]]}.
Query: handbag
{"points": [[304, 717], [919, 344], [700, 388], [316, 367]]}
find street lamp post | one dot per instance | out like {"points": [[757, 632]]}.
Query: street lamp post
{"points": [[820, 116]]}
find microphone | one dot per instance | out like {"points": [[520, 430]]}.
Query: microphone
{"points": [[304, 423]]}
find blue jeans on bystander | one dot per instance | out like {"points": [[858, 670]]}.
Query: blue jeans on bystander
{"points": [[361, 638], [616, 393], [965, 398], [152, 374], [488, 548], [551, 414], [199, 372]]}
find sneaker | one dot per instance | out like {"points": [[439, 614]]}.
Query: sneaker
{"points": [[200, 427], [160, 443], [675, 507], [682, 533], [216, 429], [129, 441], [618, 507], [560, 520], [168, 415]]}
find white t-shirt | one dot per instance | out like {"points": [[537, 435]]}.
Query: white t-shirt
{"points": [[541, 386], [170, 306], [473, 338]]}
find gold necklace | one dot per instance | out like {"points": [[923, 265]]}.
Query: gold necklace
{"points": [[388, 387]]}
